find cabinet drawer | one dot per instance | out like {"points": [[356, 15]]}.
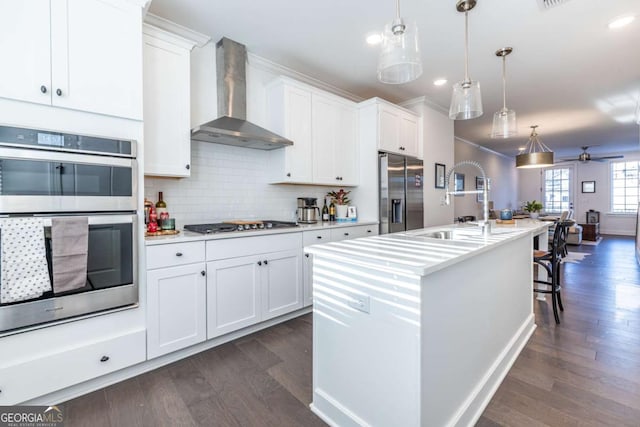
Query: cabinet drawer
{"points": [[354, 232], [244, 246], [174, 254], [316, 236], [56, 371]]}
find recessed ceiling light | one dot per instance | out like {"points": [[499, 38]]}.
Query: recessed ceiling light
{"points": [[621, 22], [439, 82], [374, 38]]}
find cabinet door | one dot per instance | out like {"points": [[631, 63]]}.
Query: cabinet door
{"points": [[167, 133], [281, 283], [409, 135], [96, 60], [325, 122], [346, 159], [233, 294], [176, 311], [26, 52], [388, 129], [307, 279]]}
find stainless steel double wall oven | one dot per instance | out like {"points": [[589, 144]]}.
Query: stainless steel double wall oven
{"points": [[46, 175]]}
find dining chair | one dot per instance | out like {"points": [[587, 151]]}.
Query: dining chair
{"points": [[551, 261]]}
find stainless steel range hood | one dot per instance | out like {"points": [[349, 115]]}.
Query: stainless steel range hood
{"points": [[233, 128]]}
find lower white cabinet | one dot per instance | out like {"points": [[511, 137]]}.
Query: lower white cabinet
{"points": [[281, 283], [325, 236], [69, 366], [176, 313], [176, 297]]}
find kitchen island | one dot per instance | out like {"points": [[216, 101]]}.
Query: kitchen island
{"points": [[419, 328]]}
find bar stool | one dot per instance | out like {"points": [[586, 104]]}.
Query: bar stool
{"points": [[551, 260]]}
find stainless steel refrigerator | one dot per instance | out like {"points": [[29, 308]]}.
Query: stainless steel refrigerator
{"points": [[401, 198]]}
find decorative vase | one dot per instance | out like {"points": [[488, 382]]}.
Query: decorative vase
{"points": [[341, 211], [534, 215]]}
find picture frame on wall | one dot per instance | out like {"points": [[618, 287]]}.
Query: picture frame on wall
{"points": [[441, 171], [588, 186], [458, 181]]}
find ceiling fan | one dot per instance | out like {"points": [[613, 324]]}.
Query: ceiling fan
{"points": [[586, 157]]}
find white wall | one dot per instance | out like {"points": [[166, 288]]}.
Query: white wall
{"points": [[531, 188], [499, 168], [437, 147]]}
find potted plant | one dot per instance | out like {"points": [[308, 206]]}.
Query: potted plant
{"points": [[534, 207], [341, 200]]}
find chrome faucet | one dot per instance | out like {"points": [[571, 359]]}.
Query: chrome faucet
{"points": [[485, 225]]}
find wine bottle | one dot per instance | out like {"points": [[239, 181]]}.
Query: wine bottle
{"points": [[332, 211], [161, 205], [325, 211]]}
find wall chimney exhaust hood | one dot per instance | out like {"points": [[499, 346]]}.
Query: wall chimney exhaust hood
{"points": [[233, 128]]}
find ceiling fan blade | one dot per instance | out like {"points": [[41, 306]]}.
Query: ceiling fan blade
{"points": [[601, 159]]}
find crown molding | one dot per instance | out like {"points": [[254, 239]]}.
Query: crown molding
{"points": [[143, 4], [480, 147], [270, 66], [198, 39], [423, 100]]}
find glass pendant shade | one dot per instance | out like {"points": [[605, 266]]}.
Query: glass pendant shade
{"points": [[399, 60], [466, 101], [536, 154], [504, 124], [638, 111]]}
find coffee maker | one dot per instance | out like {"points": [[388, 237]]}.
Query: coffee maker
{"points": [[308, 211]]}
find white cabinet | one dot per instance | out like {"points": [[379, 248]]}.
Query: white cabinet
{"points": [[396, 129], [52, 371], [323, 128], [167, 130], [313, 237], [176, 297], [289, 114], [252, 279], [78, 54]]}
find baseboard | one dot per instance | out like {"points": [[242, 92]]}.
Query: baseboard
{"points": [[78, 390], [478, 400], [332, 412]]}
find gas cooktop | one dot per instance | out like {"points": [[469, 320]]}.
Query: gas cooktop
{"points": [[225, 227]]}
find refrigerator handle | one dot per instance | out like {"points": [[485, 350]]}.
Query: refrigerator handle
{"points": [[396, 211]]}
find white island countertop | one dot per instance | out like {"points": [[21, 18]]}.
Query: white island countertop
{"points": [[418, 252]]}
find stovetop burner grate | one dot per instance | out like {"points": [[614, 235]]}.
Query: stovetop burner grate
{"points": [[225, 227]]}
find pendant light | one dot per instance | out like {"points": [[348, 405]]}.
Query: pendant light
{"points": [[504, 121], [466, 100], [399, 60], [536, 154]]}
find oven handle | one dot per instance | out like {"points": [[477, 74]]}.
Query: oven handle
{"points": [[98, 219], [65, 157]]}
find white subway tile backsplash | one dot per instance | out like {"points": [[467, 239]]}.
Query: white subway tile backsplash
{"points": [[228, 183]]}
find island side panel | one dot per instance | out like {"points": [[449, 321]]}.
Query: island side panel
{"points": [[366, 349], [476, 318]]}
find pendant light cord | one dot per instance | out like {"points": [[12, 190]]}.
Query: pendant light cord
{"points": [[466, 46], [504, 82], [397, 9]]}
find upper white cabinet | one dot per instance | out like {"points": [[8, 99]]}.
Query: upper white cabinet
{"points": [[167, 104], [396, 128], [323, 128], [78, 54]]}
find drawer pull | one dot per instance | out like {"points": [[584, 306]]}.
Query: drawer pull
{"points": [[178, 253], [346, 234], [104, 358], [318, 237], [203, 273], [368, 231], [259, 262], [307, 255], [266, 262]]}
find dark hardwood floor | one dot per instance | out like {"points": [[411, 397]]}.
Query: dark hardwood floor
{"points": [[585, 371]]}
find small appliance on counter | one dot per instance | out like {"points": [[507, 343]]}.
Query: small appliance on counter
{"points": [[308, 211]]}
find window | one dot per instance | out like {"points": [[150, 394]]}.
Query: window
{"points": [[624, 186], [557, 194]]}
